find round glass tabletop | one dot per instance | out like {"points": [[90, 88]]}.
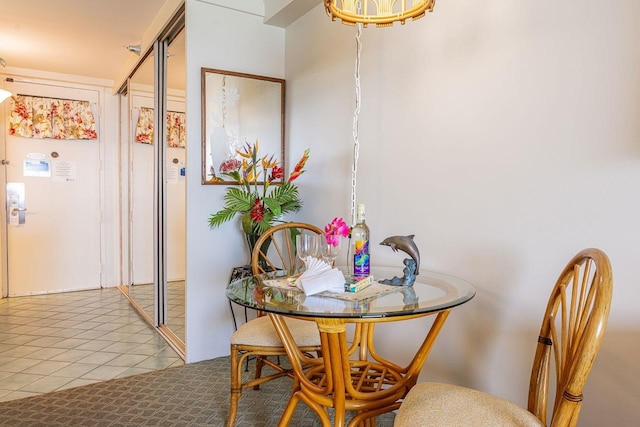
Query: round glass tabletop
{"points": [[275, 293]]}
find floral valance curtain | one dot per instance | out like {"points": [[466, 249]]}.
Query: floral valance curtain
{"points": [[34, 117], [176, 134], [144, 127]]}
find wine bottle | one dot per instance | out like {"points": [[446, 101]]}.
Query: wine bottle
{"points": [[360, 245]]}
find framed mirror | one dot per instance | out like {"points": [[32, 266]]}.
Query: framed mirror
{"points": [[239, 109]]}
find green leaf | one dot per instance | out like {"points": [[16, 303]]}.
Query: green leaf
{"points": [[273, 205], [288, 197], [247, 222], [221, 217], [239, 200], [233, 174], [236, 201], [281, 199], [266, 222]]}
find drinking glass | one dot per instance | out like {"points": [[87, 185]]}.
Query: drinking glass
{"points": [[307, 245], [329, 248]]}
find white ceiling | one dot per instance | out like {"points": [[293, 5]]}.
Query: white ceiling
{"points": [[88, 37], [80, 37]]}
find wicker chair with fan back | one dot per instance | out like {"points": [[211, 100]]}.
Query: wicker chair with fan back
{"points": [[257, 338], [572, 329]]}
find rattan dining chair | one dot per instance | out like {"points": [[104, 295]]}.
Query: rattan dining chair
{"points": [[571, 333], [258, 338]]}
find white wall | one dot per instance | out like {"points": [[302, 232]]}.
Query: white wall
{"points": [[221, 38], [505, 137]]}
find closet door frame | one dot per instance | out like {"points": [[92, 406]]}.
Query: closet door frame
{"points": [[158, 318]]}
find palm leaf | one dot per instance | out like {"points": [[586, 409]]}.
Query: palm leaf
{"points": [[221, 217], [236, 201], [239, 200], [287, 197]]}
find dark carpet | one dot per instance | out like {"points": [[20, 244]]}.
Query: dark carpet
{"points": [[195, 394]]}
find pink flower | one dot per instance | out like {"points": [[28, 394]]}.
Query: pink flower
{"points": [[335, 229], [332, 239], [230, 165]]}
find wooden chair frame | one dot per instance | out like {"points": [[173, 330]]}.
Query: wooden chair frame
{"points": [[570, 336], [572, 330], [281, 255]]}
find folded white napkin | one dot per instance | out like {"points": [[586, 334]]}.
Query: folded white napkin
{"points": [[319, 277]]}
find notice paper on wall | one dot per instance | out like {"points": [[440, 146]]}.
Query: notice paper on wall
{"points": [[39, 168], [63, 171], [176, 173]]}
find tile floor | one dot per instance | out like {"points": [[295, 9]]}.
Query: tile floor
{"points": [[58, 341], [143, 295]]}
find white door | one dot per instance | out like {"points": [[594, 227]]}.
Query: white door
{"points": [[141, 197], [142, 200], [58, 246], [176, 201]]}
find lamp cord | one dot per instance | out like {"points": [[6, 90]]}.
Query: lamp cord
{"points": [[356, 115]]}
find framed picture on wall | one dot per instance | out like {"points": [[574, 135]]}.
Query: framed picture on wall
{"points": [[239, 109]]}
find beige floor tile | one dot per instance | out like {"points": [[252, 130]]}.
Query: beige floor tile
{"points": [[46, 384], [72, 355], [17, 381], [46, 367], [127, 360], [156, 363], [98, 358], [57, 341], [74, 370], [13, 395], [79, 382], [19, 365], [47, 353], [104, 372]]}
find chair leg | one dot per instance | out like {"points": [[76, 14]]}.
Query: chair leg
{"points": [[259, 365], [233, 409], [288, 410], [236, 387], [296, 396]]}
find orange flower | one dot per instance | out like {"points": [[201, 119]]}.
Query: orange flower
{"points": [[298, 170], [248, 151], [269, 163]]}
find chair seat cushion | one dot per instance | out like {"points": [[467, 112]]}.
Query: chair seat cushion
{"points": [[260, 331], [435, 404]]}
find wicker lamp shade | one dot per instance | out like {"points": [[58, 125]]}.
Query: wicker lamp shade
{"points": [[382, 13]]}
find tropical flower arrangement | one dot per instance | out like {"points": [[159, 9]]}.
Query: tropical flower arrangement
{"points": [[259, 200], [336, 229]]}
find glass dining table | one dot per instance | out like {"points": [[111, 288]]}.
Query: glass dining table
{"points": [[350, 375]]}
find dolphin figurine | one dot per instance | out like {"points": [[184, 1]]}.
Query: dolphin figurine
{"points": [[406, 245]]}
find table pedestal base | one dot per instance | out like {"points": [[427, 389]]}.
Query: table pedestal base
{"points": [[351, 376]]}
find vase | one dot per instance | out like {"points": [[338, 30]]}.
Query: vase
{"points": [[252, 239]]}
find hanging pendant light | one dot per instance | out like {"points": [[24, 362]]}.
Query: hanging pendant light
{"points": [[382, 13]]}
